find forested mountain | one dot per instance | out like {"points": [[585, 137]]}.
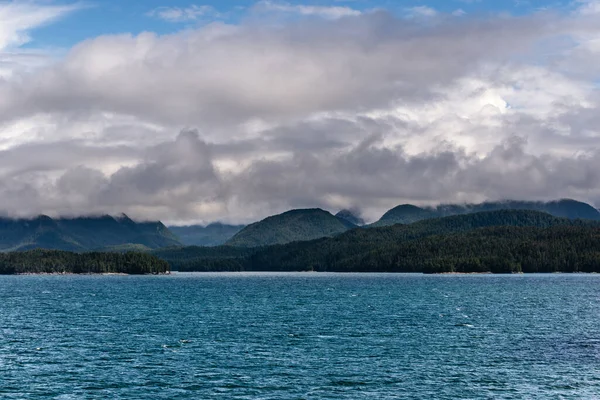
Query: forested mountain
{"points": [[559, 248], [291, 226], [82, 234], [424, 246], [53, 261], [121, 234], [211, 235], [407, 213], [350, 217]]}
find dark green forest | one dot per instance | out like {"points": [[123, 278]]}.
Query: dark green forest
{"points": [[55, 261], [205, 259], [495, 250], [504, 241]]}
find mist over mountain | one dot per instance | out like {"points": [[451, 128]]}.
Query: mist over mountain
{"points": [[351, 216], [565, 208], [121, 233], [83, 233], [214, 234]]}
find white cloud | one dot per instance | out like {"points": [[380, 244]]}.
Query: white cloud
{"points": [[588, 7], [306, 10], [185, 14], [422, 11], [18, 18], [222, 75]]}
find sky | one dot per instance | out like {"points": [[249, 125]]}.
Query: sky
{"points": [[235, 110]]}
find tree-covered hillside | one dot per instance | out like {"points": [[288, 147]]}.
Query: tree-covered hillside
{"points": [[445, 244], [332, 254], [196, 258], [291, 226]]}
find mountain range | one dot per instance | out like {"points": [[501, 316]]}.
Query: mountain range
{"points": [[303, 225], [493, 241], [123, 234]]}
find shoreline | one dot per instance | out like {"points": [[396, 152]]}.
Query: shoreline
{"points": [[170, 273], [82, 274], [465, 273]]}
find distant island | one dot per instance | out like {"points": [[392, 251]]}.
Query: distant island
{"points": [[64, 262]]}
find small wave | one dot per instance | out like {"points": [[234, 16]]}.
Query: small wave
{"points": [[465, 325], [345, 382]]}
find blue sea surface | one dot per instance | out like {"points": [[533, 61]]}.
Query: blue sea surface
{"points": [[300, 336]]}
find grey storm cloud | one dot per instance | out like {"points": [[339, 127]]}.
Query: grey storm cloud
{"points": [[368, 175], [177, 173], [181, 174], [59, 155]]}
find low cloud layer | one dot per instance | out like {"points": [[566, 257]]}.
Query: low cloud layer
{"points": [[181, 180], [367, 110]]}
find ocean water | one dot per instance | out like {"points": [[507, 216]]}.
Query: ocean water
{"points": [[300, 336]]}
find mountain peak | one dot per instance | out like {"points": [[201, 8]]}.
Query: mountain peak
{"points": [[290, 226]]}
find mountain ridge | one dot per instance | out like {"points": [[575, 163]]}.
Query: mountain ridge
{"points": [[381, 249], [81, 233], [565, 208]]}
